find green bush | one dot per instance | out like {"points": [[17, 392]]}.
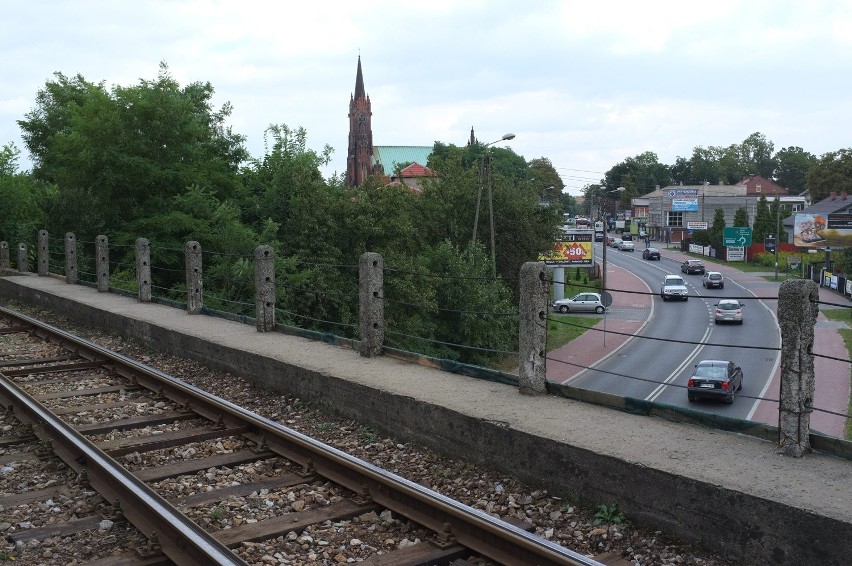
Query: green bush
{"points": [[768, 259]]}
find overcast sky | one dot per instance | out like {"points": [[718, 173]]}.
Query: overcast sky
{"points": [[585, 84]]}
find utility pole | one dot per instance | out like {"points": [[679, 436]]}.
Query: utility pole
{"points": [[777, 232]]}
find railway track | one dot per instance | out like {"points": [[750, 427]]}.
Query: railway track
{"points": [[144, 451]]}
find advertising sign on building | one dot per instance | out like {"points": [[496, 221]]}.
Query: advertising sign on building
{"points": [[683, 193], [575, 249], [684, 205], [821, 230], [696, 225]]}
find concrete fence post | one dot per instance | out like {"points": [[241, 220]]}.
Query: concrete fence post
{"points": [[264, 288], [532, 328], [23, 258], [43, 253], [143, 269], [102, 263], [70, 258], [371, 304], [797, 314], [4, 255], [194, 294]]}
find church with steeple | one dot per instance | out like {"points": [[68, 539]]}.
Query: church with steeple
{"points": [[365, 160]]}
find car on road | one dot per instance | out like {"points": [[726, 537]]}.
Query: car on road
{"points": [[713, 279], [714, 379], [691, 266], [583, 302], [651, 253], [674, 287], [626, 246], [615, 242], [728, 310]]}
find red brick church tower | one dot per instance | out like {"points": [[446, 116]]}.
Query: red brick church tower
{"points": [[359, 160]]}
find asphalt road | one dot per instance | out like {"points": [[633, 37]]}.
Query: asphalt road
{"points": [[657, 363]]}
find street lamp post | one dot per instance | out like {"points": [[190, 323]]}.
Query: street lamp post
{"points": [[486, 173]]}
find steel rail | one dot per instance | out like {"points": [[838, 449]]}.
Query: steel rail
{"points": [[451, 520], [180, 539]]}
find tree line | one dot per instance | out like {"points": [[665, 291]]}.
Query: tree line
{"points": [[158, 160], [792, 168]]}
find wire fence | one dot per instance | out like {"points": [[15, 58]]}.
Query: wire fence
{"points": [[470, 319]]}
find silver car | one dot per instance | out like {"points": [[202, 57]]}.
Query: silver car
{"points": [[583, 302], [713, 279], [728, 310]]}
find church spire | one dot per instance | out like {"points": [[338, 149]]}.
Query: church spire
{"points": [[359, 82], [359, 158]]}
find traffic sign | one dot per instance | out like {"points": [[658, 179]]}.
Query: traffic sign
{"points": [[736, 236]]}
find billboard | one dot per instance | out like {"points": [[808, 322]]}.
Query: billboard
{"points": [[823, 230], [575, 249], [684, 205]]}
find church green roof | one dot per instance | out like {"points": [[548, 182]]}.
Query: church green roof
{"points": [[389, 156]]}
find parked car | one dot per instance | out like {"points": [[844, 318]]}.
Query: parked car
{"points": [[615, 242], [715, 379], [583, 302], [728, 310], [691, 266], [651, 253], [713, 279], [626, 246], [674, 287]]}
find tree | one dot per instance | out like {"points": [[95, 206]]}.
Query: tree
{"points": [[523, 229], [701, 237], [640, 175], [23, 200], [717, 228], [569, 204], [764, 222], [741, 217], [545, 174], [124, 153], [756, 156], [793, 164], [831, 173]]}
